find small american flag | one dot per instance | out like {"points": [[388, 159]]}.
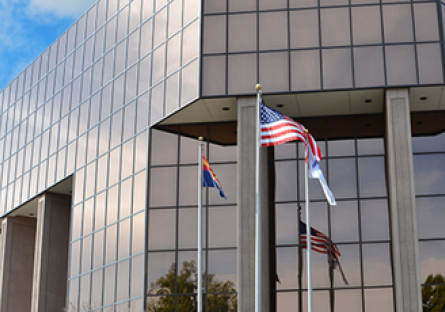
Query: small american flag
{"points": [[322, 244], [277, 129]]}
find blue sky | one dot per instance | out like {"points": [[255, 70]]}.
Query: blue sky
{"points": [[28, 27]]}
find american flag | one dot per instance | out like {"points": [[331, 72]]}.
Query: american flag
{"points": [[277, 129], [322, 244]]}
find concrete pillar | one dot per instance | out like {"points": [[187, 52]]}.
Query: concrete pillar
{"points": [[402, 201], [246, 210], [16, 263], [51, 253]]}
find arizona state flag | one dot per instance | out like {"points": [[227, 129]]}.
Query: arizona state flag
{"points": [[209, 178]]}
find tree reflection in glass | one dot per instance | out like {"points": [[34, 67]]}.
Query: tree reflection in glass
{"points": [[186, 282]]}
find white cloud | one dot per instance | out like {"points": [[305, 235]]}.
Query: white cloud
{"points": [[62, 8]]}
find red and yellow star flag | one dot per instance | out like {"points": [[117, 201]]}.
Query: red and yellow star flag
{"points": [[209, 178]]}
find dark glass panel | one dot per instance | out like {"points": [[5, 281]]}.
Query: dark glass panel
{"points": [[376, 264], [397, 23], [425, 18], [214, 36], [223, 266], [370, 146], [226, 175], [158, 265], [366, 25], [372, 176], [400, 64], [161, 229], [187, 227], [305, 73], [304, 29], [342, 178], [429, 173], [431, 258], [273, 33], [188, 192], [214, 75], [285, 181], [335, 27], [379, 300], [337, 71], [375, 220], [286, 224], [350, 264], [223, 227], [369, 66], [279, 64], [189, 146], [286, 267], [344, 222], [166, 151], [348, 300], [430, 216], [242, 71], [430, 63]]}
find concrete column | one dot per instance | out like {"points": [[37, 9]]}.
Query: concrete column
{"points": [[51, 253], [16, 263], [246, 210], [402, 201]]}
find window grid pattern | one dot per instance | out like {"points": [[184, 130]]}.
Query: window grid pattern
{"points": [[359, 224], [172, 224], [429, 172], [83, 108], [319, 45], [119, 65]]}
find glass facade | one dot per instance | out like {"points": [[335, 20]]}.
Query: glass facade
{"points": [[172, 222], [294, 46], [428, 152], [83, 108], [93, 109], [354, 166]]}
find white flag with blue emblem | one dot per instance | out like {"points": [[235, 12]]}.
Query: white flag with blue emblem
{"points": [[316, 173]]}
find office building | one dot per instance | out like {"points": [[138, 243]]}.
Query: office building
{"points": [[99, 165]]}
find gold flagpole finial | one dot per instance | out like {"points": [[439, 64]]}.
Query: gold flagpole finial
{"points": [[201, 138], [306, 130], [258, 87]]}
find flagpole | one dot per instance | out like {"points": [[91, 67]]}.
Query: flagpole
{"points": [[300, 261], [200, 153], [257, 203], [308, 231]]}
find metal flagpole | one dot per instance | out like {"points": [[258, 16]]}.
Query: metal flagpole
{"points": [[200, 153], [308, 230], [257, 204], [300, 261]]}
